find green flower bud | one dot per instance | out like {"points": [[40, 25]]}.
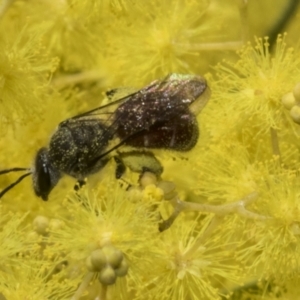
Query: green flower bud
{"points": [[89, 265], [168, 188], [107, 276], [40, 224], [295, 114], [288, 101], [98, 259], [296, 92], [55, 224], [122, 270], [148, 178], [114, 256]]}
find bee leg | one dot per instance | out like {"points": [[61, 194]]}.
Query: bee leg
{"points": [[129, 186], [141, 162], [178, 208], [165, 224], [121, 168], [79, 184]]}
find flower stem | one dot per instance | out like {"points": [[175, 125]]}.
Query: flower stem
{"points": [[85, 282], [103, 292], [274, 141], [212, 46], [62, 81], [238, 207], [5, 6], [243, 5]]}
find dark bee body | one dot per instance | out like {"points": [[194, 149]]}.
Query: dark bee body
{"points": [[161, 115], [75, 146]]}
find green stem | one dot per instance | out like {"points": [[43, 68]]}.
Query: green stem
{"points": [[212, 46], [66, 80], [243, 5], [238, 207], [84, 284], [5, 6], [275, 143], [103, 292]]}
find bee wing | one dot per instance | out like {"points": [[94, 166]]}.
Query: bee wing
{"points": [[119, 93], [118, 96], [105, 112]]}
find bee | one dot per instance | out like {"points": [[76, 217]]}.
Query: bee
{"points": [[161, 115]]}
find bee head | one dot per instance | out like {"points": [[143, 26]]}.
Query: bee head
{"points": [[44, 175]]}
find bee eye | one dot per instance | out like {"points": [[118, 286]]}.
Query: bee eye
{"points": [[44, 176]]}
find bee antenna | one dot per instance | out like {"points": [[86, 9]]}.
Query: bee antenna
{"points": [[13, 170], [14, 183]]}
